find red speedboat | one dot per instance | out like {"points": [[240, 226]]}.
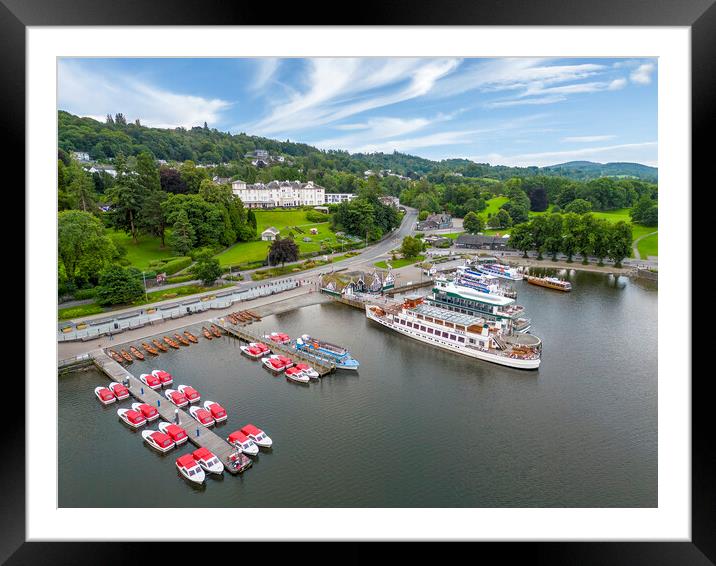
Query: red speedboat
{"points": [[273, 364], [243, 443], [218, 412], [150, 380], [176, 397], [119, 390], [279, 337], [255, 350], [158, 440], [202, 415], [133, 418], [150, 413], [177, 433], [104, 395], [190, 469], [191, 394], [208, 460], [164, 376]]}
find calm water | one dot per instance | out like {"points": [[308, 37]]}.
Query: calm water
{"points": [[416, 426]]}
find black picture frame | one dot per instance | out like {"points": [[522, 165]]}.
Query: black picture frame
{"points": [[699, 15]]}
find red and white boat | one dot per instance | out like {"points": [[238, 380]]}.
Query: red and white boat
{"points": [[133, 418], [208, 460], [295, 374], [279, 337], [176, 397], [308, 370], [273, 364], [255, 350], [191, 394], [119, 390], [177, 433], [257, 435], [243, 443], [158, 440], [218, 413], [105, 396], [150, 380], [202, 415], [190, 469], [148, 412], [164, 376]]}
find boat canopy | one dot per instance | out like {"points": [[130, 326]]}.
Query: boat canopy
{"points": [[202, 453], [186, 461], [250, 429]]}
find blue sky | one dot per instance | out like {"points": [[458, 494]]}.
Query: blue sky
{"points": [[505, 111]]}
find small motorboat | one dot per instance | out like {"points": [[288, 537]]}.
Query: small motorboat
{"points": [[104, 395], [176, 397], [279, 337], [218, 413], [308, 370], [150, 413], [136, 353], [257, 435], [190, 469], [273, 364], [171, 342], [177, 433], [150, 349], [181, 339], [191, 337], [127, 356], [116, 357], [202, 415], [191, 394], [253, 351], [119, 390], [295, 374], [239, 462], [150, 380], [133, 418], [158, 440], [159, 345], [208, 460], [243, 443], [164, 377], [288, 362], [215, 331], [206, 333]]}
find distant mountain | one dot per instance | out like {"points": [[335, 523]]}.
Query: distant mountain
{"points": [[589, 170]]}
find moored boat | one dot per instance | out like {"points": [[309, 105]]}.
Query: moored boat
{"points": [[119, 390], [208, 460], [181, 339], [550, 283], [176, 397], [136, 353], [158, 440], [116, 357], [501, 270], [177, 433], [295, 374], [202, 416], [164, 377], [191, 337], [171, 342], [133, 418], [243, 443], [325, 351], [150, 380], [259, 437], [273, 364], [105, 396], [218, 413], [159, 345], [308, 370], [254, 350], [190, 468], [148, 411], [190, 393], [127, 356], [150, 349], [215, 331], [206, 333], [278, 337]]}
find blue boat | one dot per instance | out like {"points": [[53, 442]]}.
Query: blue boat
{"points": [[325, 351]]}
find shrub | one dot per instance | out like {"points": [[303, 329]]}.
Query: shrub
{"points": [[175, 265], [82, 294], [180, 278]]}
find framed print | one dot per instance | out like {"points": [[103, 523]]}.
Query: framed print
{"points": [[395, 279]]}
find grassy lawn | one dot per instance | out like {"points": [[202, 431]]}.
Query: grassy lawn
{"points": [[285, 221], [402, 262], [78, 312], [145, 250], [493, 205], [649, 246]]}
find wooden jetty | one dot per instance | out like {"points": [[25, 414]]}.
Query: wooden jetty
{"points": [[206, 438], [323, 367]]}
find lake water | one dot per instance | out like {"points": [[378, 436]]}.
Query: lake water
{"points": [[416, 426]]}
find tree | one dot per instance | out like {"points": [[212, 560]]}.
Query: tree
{"points": [[601, 240], [585, 236], [81, 189], [472, 223], [521, 238], [83, 248], [282, 250], [540, 234], [553, 239], [579, 206], [500, 220], [423, 215], [206, 268], [182, 235], [171, 181], [119, 285], [620, 242], [645, 211], [411, 247], [519, 213], [127, 198], [570, 235]]}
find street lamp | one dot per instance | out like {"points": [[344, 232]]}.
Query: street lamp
{"points": [[146, 296]]}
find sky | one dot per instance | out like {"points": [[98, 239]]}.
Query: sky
{"points": [[503, 111]]}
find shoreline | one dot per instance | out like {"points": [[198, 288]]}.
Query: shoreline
{"points": [[560, 264]]}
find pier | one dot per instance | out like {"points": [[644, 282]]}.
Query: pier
{"points": [[323, 366], [206, 438]]}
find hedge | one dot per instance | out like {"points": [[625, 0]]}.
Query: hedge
{"points": [[171, 266]]}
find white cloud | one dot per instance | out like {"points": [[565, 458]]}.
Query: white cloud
{"points": [[265, 70], [587, 139], [642, 74], [645, 153], [90, 93], [525, 101], [336, 89]]}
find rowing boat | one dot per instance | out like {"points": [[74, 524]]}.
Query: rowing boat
{"points": [[159, 345], [181, 339], [126, 355], [171, 342], [190, 336], [215, 331], [136, 353], [150, 349], [206, 333]]}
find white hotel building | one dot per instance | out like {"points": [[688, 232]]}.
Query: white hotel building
{"points": [[285, 194]]}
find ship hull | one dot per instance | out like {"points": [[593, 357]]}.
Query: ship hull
{"points": [[547, 285], [472, 353]]}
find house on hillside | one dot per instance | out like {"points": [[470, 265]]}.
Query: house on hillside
{"points": [[481, 242], [435, 222], [81, 156], [270, 234]]}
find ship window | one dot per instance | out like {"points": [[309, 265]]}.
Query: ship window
{"points": [[452, 337], [410, 324], [430, 330], [472, 340], [460, 339], [445, 335], [422, 328]]}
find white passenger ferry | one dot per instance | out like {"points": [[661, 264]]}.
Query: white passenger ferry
{"points": [[465, 334]]}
